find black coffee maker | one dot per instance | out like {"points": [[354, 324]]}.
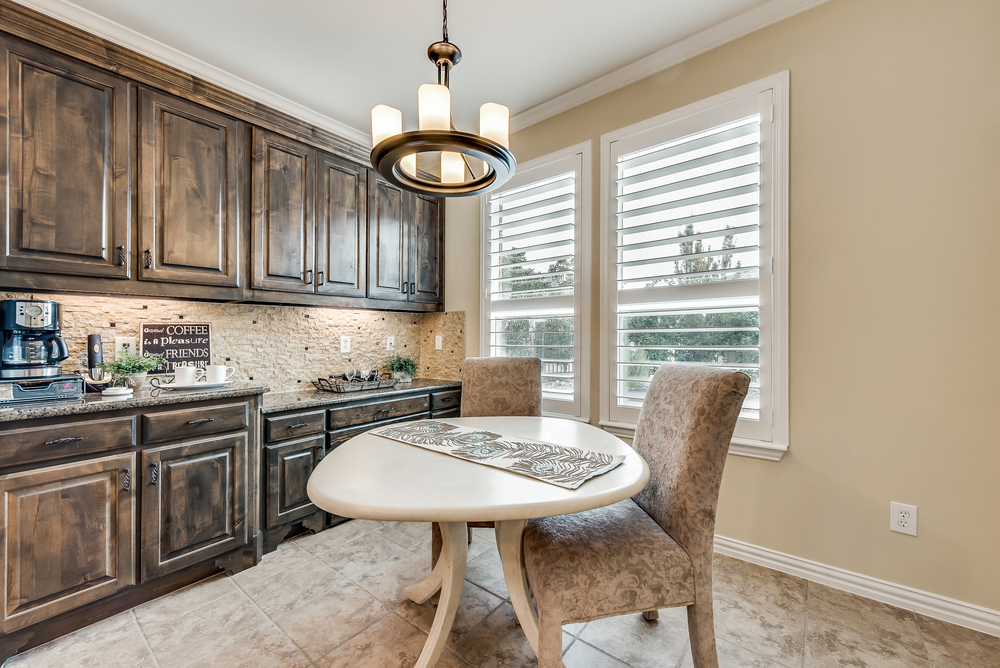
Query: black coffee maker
{"points": [[32, 345]]}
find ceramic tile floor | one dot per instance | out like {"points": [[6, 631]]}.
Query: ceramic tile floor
{"points": [[335, 600]]}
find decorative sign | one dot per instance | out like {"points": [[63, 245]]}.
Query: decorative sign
{"points": [[182, 343]]}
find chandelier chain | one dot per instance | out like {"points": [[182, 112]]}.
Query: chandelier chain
{"points": [[444, 27]]}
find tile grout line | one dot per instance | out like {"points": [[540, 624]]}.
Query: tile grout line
{"points": [[280, 630], [145, 640]]}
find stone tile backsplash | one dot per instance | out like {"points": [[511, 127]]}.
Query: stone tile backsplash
{"points": [[277, 345]]}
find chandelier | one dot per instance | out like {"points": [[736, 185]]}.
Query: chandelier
{"points": [[395, 154]]}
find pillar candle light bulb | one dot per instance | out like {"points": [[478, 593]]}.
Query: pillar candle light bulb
{"points": [[452, 167], [494, 123], [386, 122], [434, 107]]}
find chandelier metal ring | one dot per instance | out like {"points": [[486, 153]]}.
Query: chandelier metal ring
{"points": [[387, 155]]}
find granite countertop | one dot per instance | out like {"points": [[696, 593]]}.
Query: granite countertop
{"points": [[309, 397], [147, 396]]}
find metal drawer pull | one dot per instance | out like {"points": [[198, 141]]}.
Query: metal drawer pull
{"points": [[155, 474], [448, 400], [298, 424], [413, 287], [202, 421], [126, 480], [386, 411], [60, 441]]}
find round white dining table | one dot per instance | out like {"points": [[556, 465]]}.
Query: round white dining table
{"points": [[375, 478]]}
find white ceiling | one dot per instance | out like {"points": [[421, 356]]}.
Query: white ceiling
{"points": [[341, 58]]}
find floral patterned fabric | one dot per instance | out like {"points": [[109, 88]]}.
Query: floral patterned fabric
{"points": [[501, 386], [685, 426], [555, 464]]}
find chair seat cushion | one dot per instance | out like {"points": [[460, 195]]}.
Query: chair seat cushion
{"points": [[603, 562]]}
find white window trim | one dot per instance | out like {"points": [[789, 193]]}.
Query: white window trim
{"points": [[582, 286], [774, 449]]}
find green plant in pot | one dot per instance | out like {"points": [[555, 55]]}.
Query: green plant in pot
{"points": [[402, 367], [128, 370]]}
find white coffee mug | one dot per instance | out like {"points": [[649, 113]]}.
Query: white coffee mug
{"points": [[186, 375], [218, 373]]}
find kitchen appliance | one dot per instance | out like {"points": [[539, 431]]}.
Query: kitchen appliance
{"points": [[95, 357], [32, 343], [18, 393]]}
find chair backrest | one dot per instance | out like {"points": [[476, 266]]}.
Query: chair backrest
{"points": [[501, 386], [684, 429]]}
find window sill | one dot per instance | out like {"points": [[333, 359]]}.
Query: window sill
{"points": [[744, 447]]}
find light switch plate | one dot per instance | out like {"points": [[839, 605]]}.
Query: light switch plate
{"points": [[345, 344], [122, 342], [438, 342]]}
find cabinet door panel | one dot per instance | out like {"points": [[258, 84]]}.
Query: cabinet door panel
{"points": [[289, 466], [188, 209], [387, 242], [68, 537], [283, 223], [425, 249], [194, 503], [67, 146], [341, 227]]}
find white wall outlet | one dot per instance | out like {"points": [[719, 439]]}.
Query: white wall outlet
{"points": [[345, 344], [438, 342], [126, 343], [903, 518], [390, 343]]}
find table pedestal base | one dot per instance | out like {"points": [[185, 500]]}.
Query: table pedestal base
{"points": [[447, 577]]}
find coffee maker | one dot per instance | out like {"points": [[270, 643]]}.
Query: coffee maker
{"points": [[32, 345]]}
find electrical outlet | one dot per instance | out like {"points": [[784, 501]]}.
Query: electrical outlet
{"points": [[345, 344], [127, 343], [390, 343], [903, 518], [438, 343]]}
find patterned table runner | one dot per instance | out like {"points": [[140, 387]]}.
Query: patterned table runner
{"points": [[556, 464]]}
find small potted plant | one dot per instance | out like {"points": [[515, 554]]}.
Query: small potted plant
{"points": [[130, 370], [402, 367]]}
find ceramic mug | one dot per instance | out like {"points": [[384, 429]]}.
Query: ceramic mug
{"points": [[218, 373], [186, 375]]}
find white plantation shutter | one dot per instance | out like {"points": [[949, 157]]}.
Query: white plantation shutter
{"points": [[531, 250], [690, 249]]}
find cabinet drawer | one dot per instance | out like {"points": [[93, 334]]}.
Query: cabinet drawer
{"points": [[378, 411], [341, 436], [172, 425], [294, 426], [447, 413], [447, 399], [36, 444]]}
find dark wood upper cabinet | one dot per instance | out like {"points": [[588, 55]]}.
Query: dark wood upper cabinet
{"points": [[425, 248], [341, 227], [193, 503], [189, 229], [282, 182], [387, 242], [66, 146], [69, 537]]}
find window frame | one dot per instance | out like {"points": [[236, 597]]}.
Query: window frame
{"points": [[540, 168], [774, 217]]}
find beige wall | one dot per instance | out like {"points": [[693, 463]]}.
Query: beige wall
{"points": [[895, 286]]}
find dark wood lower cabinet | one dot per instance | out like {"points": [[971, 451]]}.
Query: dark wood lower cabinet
{"points": [[289, 466], [68, 537], [193, 502]]}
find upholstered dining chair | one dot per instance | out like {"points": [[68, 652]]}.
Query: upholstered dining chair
{"points": [[655, 550], [496, 386]]}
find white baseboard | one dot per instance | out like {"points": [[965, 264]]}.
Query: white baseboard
{"points": [[939, 607]]}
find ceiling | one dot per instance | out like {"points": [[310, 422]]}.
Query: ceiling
{"points": [[341, 58]]}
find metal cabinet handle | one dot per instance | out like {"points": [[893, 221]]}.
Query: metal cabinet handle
{"points": [[385, 411], [60, 441], [413, 287], [406, 287], [320, 280], [121, 255], [322, 453], [126, 480], [148, 254], [309, 276], [298, 424], [447, 400], [202, 421], [154, 476]]}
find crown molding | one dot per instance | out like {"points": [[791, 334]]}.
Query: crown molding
{"points": [[922, 602], [749, 21], [90, 22]]}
